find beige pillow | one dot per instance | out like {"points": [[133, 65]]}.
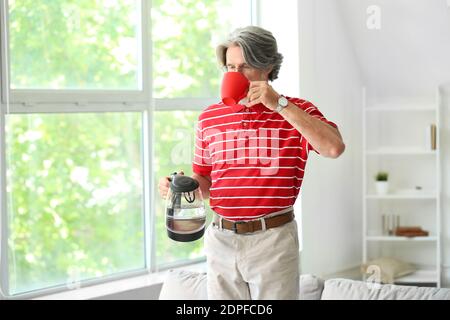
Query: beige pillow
{"points": [[184, 285], [389, 268]]}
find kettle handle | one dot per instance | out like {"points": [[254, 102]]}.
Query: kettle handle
{"points": [[172, 175]]}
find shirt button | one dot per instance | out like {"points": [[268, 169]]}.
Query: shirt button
{"points": [[244, 124]]}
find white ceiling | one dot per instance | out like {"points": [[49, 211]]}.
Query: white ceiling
{"points": [[410, 54]]}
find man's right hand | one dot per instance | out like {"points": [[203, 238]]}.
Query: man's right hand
{"points": [[164, 184]]}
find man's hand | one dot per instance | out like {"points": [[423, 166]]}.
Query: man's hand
{"points": [[205, 184], [262, 92], [164, 184]]}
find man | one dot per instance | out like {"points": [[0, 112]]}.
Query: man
{"points": [[250, 161]]}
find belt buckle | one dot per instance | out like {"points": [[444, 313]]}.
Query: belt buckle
{"points": [[235, 223]]}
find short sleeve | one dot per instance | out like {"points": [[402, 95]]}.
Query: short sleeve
{"points": [[314, 112], [202, 159]]}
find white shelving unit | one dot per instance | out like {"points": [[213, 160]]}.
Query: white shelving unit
{"points": [[394, 141]]}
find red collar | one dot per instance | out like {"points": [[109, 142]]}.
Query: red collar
{"points": [[237, 108], [257, 107]]}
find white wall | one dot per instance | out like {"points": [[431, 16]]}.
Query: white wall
{"points": [[331, 195], [336, 55], [408, 54], [281, 18], [397, 65], [288, 82]]}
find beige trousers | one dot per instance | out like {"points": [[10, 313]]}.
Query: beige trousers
{"points": [[259, 266]]}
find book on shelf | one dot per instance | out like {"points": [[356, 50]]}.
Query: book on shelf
{"points": [[431, 137], [411, 232]]}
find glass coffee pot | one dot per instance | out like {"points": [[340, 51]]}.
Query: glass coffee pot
{"points": [[185, 209]]}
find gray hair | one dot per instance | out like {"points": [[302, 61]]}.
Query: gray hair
{"points": [[259, 48]]}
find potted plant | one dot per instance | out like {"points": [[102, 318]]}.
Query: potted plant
{"points": [[381, 182]]}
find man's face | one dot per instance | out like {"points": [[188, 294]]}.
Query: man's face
{"points": [[235, 62]]}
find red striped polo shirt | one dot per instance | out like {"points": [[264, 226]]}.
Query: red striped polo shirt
{"points": [[256, 158]]}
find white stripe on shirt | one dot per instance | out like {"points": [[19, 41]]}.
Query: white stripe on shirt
{"points": [[250, 207], [264, 148], [263, 177], [248, 130], [225, 115], [254, 187], [274, 158], [257, 197], [262, 168], [271, 138]]}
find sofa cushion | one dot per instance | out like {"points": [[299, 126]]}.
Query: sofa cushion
{"points": [[184, 285], [311, 287], [344, 289], [189, 285]]}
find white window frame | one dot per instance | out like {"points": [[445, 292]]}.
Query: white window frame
{"points": [[3, 214], [74, 101], [25, 98], [196, 104]]}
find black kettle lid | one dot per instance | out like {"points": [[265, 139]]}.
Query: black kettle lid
{"points": [[181, 183]]}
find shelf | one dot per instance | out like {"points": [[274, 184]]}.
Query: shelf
{"points": [[405, 239], [413, 196], [400, 151], [420, 276], [397, 139], [402, 108]]}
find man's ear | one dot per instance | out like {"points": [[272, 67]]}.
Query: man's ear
{"points": [[267, 72]]}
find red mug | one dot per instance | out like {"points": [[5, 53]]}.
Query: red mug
{"points": [[234, 88]]}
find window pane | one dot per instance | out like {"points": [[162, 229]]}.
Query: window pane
{"points": [[185, 34], [75, 197], [174, 150], [81, 44]]}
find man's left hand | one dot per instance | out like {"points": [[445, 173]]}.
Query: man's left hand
{"points": [[262, 92]]}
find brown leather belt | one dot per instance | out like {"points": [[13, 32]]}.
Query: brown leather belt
{"points": [[241, 227]]}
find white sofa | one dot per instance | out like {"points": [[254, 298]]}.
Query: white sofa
{"points": [[189, 285]]}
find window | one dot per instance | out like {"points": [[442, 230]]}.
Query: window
{"points": [[79, 123], [74, 45], [75, 197], [186, 79], [184, 53], [74, 173]]}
